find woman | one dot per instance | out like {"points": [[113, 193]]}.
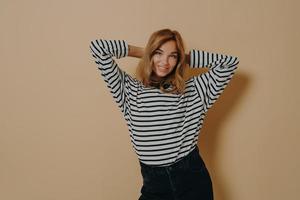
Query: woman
{"points": [[164, 112]]}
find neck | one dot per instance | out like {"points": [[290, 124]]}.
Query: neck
{"points": [[155, 78]]}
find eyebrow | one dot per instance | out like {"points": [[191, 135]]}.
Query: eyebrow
{"points": [[174, 52]]}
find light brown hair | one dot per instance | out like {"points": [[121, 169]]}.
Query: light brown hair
{"points": [[145, 72]]}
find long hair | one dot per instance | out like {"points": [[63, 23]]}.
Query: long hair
{"points": [[145, 72]]}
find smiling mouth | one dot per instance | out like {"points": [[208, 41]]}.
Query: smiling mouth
{"points": [[164, 68]]}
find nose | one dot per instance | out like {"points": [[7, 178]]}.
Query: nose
{"points": [[164, 60]]}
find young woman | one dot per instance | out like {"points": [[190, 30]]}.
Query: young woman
{"points": [[164, 112]]}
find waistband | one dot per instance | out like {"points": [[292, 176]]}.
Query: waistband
{"points": [[184, 162]]}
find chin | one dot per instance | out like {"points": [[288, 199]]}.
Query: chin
{"points": [[161, 75]]}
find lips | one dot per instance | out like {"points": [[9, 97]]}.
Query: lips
{"points": [[163, 68]]}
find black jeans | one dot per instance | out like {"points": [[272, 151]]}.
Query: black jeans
{"points": [[187, 179]]}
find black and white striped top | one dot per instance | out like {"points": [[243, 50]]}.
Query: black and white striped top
{"points": [[163, 127]]}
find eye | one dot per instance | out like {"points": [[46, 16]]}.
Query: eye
{"points": [[174, 56], [157, 53]]}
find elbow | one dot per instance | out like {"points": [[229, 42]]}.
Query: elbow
{"points": [[96, 47], [236, 61], [93, 43]]}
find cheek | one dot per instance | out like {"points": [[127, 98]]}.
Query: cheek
{"points": [[173, 63], [156, 60], [172, 68]]}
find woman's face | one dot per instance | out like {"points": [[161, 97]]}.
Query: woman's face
{"points": [[165, 58]]}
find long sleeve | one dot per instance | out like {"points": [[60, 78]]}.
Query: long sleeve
{"points": [[211, 84], [103, 52]]}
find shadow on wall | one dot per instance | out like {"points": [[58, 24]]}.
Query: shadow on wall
{"points": [[212, 128]]}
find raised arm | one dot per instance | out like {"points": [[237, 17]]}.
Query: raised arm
{"points": [[211, 84], [103, 52]]}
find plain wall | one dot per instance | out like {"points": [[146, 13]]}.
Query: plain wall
{"points": [[62, 137]]}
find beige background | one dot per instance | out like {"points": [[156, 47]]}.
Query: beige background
{"points": [[63, 138]]}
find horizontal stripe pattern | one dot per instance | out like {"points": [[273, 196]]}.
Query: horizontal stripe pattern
{"points": [[163, 127], [211, 84]]}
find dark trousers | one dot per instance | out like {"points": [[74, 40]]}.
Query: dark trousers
{"points": [[187, 179]]}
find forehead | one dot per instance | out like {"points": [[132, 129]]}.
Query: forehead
{"points": [[169, 46]]}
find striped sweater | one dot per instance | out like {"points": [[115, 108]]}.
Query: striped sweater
{"points": [[163, 127]]}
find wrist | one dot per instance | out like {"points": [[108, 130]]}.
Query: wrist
{"points": [[135, 51]]}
